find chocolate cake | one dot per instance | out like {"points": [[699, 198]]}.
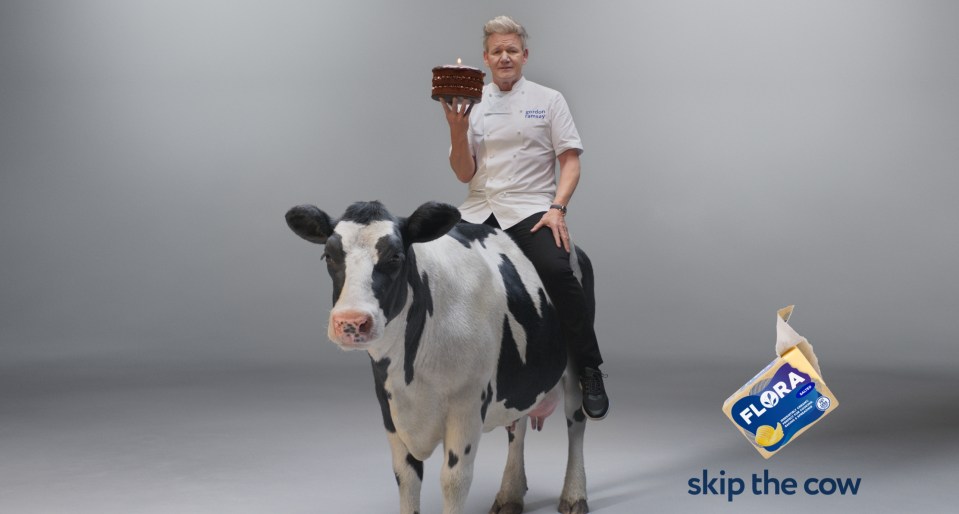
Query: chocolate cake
{"points": [[457, 80]]}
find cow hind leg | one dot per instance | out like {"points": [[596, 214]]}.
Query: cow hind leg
{"points": [[509, 499], [573, 498], [409, 475]]}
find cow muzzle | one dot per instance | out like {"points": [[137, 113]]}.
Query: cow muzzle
{"points": [[351, 329]]}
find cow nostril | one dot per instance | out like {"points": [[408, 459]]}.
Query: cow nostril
{"points": [[364, 327]]}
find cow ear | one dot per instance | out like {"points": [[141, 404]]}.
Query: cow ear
{"points": [[428, 222], [310, 223]]}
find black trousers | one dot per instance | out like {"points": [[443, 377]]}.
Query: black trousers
{"points": [[552, 264]]}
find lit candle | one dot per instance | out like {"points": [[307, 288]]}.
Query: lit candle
{"points": [[459, 61]]}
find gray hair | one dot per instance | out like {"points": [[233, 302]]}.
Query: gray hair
{"points": [[503, 25]]}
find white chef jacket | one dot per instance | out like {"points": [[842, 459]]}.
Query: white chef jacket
{"points": [[515, 137]]}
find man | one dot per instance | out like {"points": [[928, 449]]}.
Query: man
{"points": [[506, 148]]}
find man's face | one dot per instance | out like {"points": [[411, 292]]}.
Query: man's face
{"points": [[505, 56]]}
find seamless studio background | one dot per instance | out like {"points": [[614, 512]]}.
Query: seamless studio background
{"points": [[162, 333]]}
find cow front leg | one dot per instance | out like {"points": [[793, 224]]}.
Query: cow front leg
{"points": [[573, 498], [509, 499], [409, 475], [463, 429]]}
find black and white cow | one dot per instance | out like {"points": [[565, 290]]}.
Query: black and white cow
{"points": [[462, 338]]}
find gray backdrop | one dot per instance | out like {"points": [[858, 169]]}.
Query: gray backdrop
{"points": [[740, 156]]}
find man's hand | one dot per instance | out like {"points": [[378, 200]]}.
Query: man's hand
{"points": [[457, 114], [556, 222]]}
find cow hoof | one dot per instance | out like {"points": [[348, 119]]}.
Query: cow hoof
{"points": [[506, 508], [578, 507]]}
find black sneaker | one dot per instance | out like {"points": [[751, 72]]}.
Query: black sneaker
{"points": [[595, 401]]}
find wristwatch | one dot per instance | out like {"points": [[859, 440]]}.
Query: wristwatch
{"points": [[561, 208]]}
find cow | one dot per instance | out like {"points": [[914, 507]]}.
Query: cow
{"points": [[462, 339]]}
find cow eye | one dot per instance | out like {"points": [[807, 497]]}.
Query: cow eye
{"points": [[331, 260], [392, 262]]}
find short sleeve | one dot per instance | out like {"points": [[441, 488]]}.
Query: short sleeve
{"points": [[562, 129]]}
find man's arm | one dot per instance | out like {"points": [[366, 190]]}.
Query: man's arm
{"points": [[568, 176], [568, 179], [461, 157]]}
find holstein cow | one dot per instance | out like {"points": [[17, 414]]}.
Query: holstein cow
{"points": [[462, 338]]}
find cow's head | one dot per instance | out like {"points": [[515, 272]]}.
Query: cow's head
{"points": [[368, 257]]}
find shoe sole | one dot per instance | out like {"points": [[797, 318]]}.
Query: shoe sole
{"points": [[592, 418]]}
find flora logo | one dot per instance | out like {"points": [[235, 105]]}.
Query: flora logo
{"points": [[770, 397]]}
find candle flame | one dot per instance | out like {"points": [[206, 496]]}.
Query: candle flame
{"points": [[459, 61]]}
